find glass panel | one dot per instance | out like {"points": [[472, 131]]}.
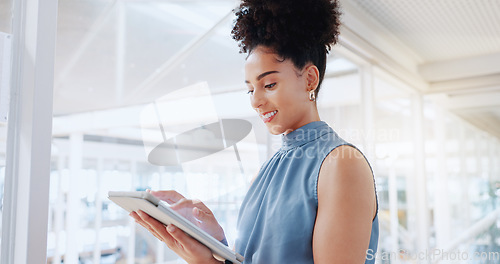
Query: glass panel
{"points": [[5, 60], [466, 156], [110, 51], [6, 16], [339, 100], [117, 66], [394, 164]]}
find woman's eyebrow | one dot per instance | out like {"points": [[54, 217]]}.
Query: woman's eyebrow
{"points": [[262, 75]]}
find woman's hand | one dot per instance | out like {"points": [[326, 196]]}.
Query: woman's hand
{"points": [[185, 246]]}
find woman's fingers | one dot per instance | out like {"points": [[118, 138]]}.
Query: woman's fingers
{"points": [[157, 229], [202, 206], [146, 225], [186, 242], [181, 203], [185, 203], [184, 245], [181, 237], [201, 215], [175, 238], [195, 206], [169, 196]]}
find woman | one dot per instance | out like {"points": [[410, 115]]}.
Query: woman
{"points": [[314, 201]]}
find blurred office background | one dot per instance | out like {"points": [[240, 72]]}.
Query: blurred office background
{"points": [[414, 84]]}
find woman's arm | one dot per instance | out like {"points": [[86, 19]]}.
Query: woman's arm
{"points": [[346, 208]]}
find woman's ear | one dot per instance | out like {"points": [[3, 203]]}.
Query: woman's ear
{"points": [[312, 77]]}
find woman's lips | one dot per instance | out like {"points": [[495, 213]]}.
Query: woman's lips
{"points": [[267, 117]]}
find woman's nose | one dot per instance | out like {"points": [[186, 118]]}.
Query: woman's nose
{"points": [[257, 99]]}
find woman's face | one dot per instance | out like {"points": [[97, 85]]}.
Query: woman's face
{"points": [[279, 92]]}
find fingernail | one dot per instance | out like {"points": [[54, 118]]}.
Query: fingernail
{"points": [[196, 211], [170, 228]]}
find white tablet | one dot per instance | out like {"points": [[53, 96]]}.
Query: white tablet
{"points": [[160, 210]]}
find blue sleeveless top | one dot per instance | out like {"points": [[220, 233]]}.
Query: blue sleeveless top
{"points": [[277, 216]]}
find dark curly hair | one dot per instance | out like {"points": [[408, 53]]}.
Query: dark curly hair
{"points": [[300, 30]]}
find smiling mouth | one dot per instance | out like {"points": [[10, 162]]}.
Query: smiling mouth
{"points": [[267, 117]]}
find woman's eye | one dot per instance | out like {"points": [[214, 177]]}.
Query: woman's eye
{"points": [[250, 92], [270, 85]]}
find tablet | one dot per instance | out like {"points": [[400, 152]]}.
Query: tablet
{"points": [[161, 211]]}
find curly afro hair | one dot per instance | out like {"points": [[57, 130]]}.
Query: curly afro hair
{"points": [[300, 30]]}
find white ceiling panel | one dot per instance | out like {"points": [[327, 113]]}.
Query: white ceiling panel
{"points": [[440, 30]]}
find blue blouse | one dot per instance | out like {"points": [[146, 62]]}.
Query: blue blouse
{"points": [[276, 219]]}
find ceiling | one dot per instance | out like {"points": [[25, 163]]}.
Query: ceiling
{"points": [[440, 30], [119, 53], [449, 49]]}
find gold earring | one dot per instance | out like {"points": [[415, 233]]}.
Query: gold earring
{"points": [[312, 96]]}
